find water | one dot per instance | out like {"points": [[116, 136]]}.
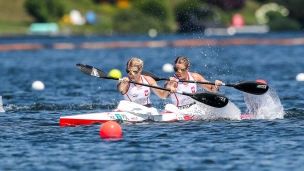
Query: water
{"points": [[31, 138]]}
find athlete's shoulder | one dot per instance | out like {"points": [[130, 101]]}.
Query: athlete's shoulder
{"points": [[196, 76], [193, 73], [149, 79]]}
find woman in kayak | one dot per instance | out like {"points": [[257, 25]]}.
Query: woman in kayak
{"points": [[138, 93], [181, 68]]}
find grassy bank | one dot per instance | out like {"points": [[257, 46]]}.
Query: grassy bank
{"points": [[15, 20], [13, 17]]}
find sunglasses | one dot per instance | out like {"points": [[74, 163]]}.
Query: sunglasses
{"points": [[179, 70], [130, 72]]}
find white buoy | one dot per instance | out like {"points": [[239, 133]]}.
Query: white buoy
{"points": [[168, 67], [300, 77], [76, 18], [38, 85], [152, 33]]}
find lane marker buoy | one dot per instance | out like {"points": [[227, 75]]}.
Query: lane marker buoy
{"points": [[110, 130], [168, 68], [38, 85], [300, 77], [115, 73]]}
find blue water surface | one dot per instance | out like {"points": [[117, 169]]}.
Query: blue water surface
{"points": [[31, 138]]}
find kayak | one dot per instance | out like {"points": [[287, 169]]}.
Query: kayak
{"points": [[131, 112], [92, 118], [102, 117], [126, 111]]}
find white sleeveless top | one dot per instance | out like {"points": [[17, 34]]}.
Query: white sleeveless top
{"points": [[140, 95], [181, 100]]}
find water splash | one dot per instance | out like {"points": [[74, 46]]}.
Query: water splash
{"points": [[266, 106], [231, 111], [1, 105], [200, 111]]}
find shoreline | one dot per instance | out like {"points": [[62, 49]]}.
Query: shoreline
{"points": [[155, 43]]}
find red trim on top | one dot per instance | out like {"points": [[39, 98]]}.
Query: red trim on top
{"points": [[133, 83], [141, 82], [147, 101], [145, 79], [176, 78], [75, 122], [177, 101], [188, 78], [185, 83], [129, 98]]}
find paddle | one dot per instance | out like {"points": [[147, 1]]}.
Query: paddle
{"points": [[211, 99], [251, 87]]}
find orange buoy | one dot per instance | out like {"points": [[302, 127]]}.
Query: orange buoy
{"points": [[261, 81], [110, 130]]}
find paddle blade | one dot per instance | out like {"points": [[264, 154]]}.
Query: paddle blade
{"points": [[211, 99], [252, 87], [89, 70], [156, 78]]}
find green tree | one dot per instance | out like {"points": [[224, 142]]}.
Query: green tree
{"points": [[45, 10], [194, 16], [157, 8], [296, 13], [143, 16], [278, 22], [295, 8]]}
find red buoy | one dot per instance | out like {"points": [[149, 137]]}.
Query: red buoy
{"points": [[110, 130]]}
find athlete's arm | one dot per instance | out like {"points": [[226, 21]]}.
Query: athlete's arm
{"points": [[208, 87], [123, 85], [160, 93]]}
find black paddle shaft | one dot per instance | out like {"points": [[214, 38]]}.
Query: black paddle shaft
{"points": [[211, 99], [251, 87]]}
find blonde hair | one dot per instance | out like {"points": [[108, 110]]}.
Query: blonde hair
{"points": [[135, 62], [183, 60]]}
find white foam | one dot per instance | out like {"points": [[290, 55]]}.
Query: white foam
{"points": [[266, 106], [231, 111], [200, 111], [1, 105]]}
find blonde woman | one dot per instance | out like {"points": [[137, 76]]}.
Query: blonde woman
{"points": [[181, 68], [137, 93]]}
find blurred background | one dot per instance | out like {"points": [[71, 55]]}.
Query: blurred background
{"points": [[108, 17]]}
